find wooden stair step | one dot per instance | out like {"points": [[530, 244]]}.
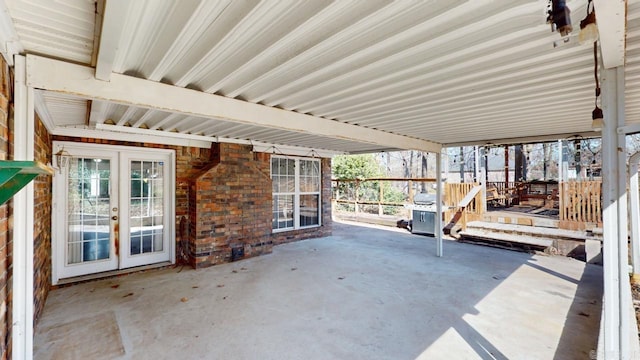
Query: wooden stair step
{"points": [[534, 242], [534, 231]]}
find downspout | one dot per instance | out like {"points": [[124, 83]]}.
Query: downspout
{"points": [[23, 210]]}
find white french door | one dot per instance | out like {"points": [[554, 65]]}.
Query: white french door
{"points": [[113, 209]]}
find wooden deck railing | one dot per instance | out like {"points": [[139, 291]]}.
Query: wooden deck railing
{"points": [[463, 203], [349, 191], [580, 204], [459, 206]]}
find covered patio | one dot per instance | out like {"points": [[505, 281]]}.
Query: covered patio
{"points": [[362, 293], [212, 109]]}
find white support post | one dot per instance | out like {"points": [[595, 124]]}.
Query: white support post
{"points": [[563, 165], [634, 200], [560, 175], [483, 177], [23, 210], [438, 204], [476, 167], [617, 311], [611, 316]]}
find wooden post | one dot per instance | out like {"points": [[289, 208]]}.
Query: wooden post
{"points": [[334, 202], [380, 199], [410, 189], [506, 166], [464, 218], [357, 195]]}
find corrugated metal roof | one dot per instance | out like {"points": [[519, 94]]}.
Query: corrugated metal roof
{"points": [[58, 28], [445, 71]]}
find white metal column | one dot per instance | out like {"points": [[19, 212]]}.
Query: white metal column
{"points": [[634, 201], [560, 174], [484, 153], [439, 203], [23, 208], [476, 166], [617, 309]]}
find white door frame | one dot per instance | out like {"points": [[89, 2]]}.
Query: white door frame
{"points": [[123, 153]]}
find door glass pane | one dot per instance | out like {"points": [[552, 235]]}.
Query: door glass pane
{"points": [[89, 236], [146, 207]]}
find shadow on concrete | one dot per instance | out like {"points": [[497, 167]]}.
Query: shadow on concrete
{"points": [[582, 320], [363, 293], [473, 275]]}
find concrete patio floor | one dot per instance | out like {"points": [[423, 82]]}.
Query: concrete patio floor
{"points": [[364, 293]]}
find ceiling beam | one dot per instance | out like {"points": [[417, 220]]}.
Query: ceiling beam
{"points": [[78, 80], [152, 138], [114, 12], [257, 145], [98, 112], [611, 17], [527, 139]]}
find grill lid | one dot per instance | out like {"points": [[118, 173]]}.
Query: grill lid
{"points": [[424, 199]]}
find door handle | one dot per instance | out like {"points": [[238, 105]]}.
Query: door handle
{"points": [[114, 218]]}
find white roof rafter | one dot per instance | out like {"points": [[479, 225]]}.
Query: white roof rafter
{"points": [[611, 17]]}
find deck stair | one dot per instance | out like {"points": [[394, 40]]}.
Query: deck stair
{"points": [[528, 238]]}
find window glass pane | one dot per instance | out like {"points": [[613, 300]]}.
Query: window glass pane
{"points": [[282, 167], [290, 184], [310, 179], [286, 195], [282, 211], [304, 184], [291, 167], [304, 168], [309, 210]]}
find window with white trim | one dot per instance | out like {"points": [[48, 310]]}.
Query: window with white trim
{"points": [[296, 192]]}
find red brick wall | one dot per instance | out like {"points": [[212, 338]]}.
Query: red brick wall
{"points": [[223, 201], [42, 223], [5, 214], [189, 163], [231, 207]]}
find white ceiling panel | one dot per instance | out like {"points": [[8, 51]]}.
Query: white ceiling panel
{"points": [[442, 71], [65, 110], [58, 28]]}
